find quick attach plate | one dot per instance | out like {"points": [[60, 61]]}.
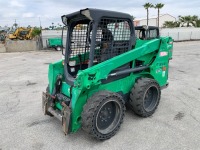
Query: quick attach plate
{"points": [[66, 118]]}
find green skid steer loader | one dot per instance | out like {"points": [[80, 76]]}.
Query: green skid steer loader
{"points": [[104, 70]]}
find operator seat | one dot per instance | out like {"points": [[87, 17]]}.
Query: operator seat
{"points": [[106, 44]]}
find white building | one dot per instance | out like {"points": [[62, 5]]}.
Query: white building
{"points": [[154, 20]]}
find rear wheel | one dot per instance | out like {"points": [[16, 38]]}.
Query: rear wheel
{"points": [[103, 114], [145, 97], [58, 48]]}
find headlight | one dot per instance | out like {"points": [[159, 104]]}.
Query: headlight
{"points": [[72, 63]]}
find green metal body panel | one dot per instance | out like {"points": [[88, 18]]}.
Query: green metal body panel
{"points": [[170, 46], [54, 69], [55, 42], [84, 86]]}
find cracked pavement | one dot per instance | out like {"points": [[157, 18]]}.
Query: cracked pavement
{"points": [[175, 125]]}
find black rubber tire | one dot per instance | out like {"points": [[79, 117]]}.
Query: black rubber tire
{"points": [[139, 94], [91, 113]]}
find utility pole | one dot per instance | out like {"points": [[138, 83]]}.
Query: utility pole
{"points": [[15, 24], [40, 24]]}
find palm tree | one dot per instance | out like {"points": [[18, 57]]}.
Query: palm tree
{"points": [[198, 23], [176, 24], [147, 6], [15, 24], [195, 20], [188, 20], [181, 19], [171, 24], [168, 24], [158, 6], [133, 17], [52, 27]]}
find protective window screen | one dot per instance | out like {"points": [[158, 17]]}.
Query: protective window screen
{"points": [[137, 33], [140, 33], [113, 38], [79, 42], [153, 33]]}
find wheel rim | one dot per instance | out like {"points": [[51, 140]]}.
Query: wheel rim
{"points": [[151, 98], [58, 48], [108, 116]]}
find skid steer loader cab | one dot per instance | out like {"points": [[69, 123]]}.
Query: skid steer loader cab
{"points": [[95, 36], [104, 68], [147, 32]]}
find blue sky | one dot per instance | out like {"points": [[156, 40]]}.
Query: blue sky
{"points": [[31, 12]]}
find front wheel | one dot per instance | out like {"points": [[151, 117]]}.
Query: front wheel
{"points": [[103, 114], [145, 97]]}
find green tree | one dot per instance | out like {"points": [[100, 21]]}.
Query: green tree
{"points": [[195, 20], [158, 7], [198, 23], [188, 21], [171, 24], [36, 31], [147, 6], [133, 17], [52, 26], [59, 25], [168, 24]]}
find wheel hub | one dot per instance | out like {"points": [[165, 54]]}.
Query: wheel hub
{"points": [[150, 98], [107, 117], [105, 114]]}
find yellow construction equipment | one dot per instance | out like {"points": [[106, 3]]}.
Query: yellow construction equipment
{"points": [[22, 34]]}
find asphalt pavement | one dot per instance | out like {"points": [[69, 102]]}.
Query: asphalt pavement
{"points": [[174, 126]]}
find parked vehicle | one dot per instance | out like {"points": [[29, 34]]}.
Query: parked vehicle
{"points": [[21, 34], [104, 68], [55, 43]]}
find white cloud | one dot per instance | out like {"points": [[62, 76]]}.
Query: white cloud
{"points": [[16, 3], [28, 15], [29, 11], [10, 15]]}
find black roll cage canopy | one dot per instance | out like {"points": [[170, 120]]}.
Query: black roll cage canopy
{"points": [[148, 28], [93, 16]]}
